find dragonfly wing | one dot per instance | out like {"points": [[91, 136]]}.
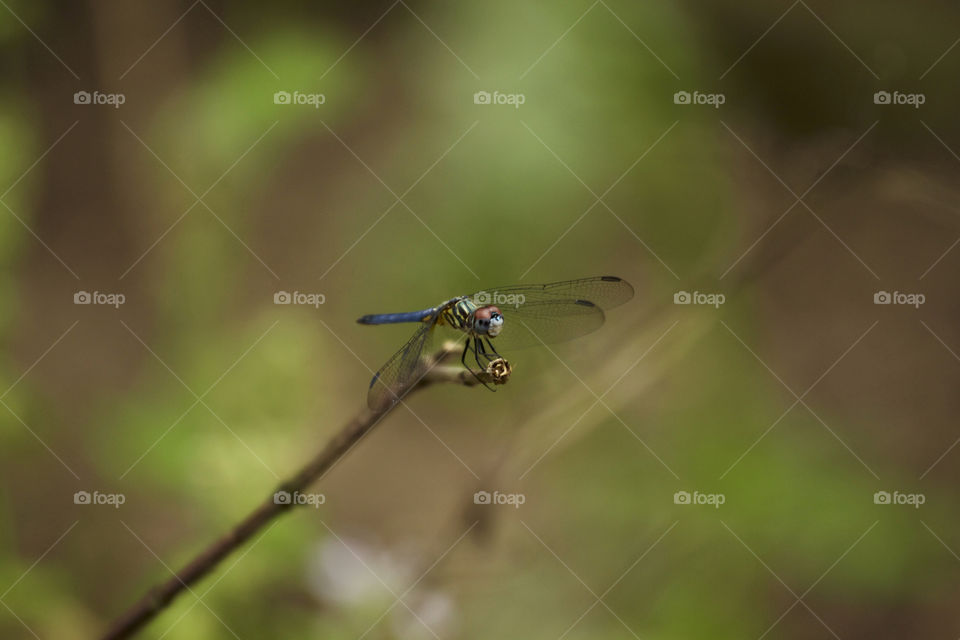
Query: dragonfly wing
{"points": [[605, 292], [404, 368], [547, 322]]}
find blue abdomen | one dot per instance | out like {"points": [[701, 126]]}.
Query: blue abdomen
{"points": [[392, 318]]}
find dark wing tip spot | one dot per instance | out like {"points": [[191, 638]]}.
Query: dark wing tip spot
{"points": [[610, 278], [585, 303]]}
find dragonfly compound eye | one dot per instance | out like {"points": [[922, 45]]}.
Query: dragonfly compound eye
{"points": [[496, 324], [488, 320]]}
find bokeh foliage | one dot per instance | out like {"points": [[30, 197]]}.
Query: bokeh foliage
{"points": [[199, 393]]}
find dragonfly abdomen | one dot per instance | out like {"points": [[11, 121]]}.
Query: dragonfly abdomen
{"points": [[393, 318]]}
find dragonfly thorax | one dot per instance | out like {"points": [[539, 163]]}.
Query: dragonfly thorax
{"points": [[465, 315]]}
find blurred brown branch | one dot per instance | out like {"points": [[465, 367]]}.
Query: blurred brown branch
{"points": [[159, 597]]}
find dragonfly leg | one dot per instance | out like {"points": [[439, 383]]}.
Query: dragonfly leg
{"points": [[489, 356], [493, 349], [478, 350], [463, 361]]}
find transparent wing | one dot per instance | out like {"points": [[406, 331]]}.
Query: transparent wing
{"points": [[605, 292], [404, 367], [546, 322]]}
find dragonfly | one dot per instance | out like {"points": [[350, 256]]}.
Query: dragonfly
{"points": [[509, 317]]}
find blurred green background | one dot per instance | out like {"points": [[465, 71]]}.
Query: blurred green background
{"points": [[199, 198]]}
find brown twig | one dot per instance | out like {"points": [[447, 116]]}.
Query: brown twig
{"points": [[159, 597]]}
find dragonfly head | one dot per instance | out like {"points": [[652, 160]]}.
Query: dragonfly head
{"points": [[488, 321]]}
